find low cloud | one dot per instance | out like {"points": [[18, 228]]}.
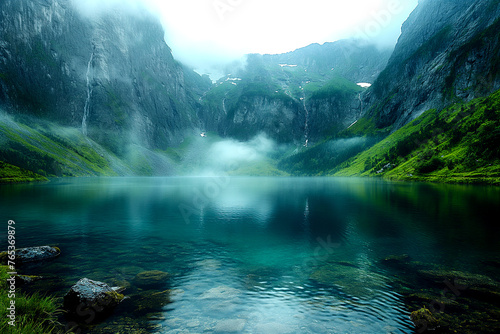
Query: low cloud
{"points": [[207, 35]]}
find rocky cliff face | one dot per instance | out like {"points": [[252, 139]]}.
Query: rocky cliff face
{"points": [[279, 118], [112, 74], [332, 114], [448, 51], [298, 96]]}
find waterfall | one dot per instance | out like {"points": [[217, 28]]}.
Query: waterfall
{"points": [[224, 105], [86, 108], [360, 105], [306, 125]]}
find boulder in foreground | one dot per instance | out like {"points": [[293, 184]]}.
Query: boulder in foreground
{"points": [[88, 297]]}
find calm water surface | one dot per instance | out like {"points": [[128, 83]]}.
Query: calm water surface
{"points": [[256, 255]]}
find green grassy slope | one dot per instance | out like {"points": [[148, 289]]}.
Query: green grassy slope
{"points": [[42, 149], [14, 174], [460, 144]]}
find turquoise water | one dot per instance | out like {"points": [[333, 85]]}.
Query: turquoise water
{"points": [[254, 255]]}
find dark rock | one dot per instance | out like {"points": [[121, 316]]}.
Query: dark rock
{"points": [[461, 280], [91, 297], [445, 51], [464, 284], [136, 82], [396, 260], [348, 279], [439, 302], [147, 301], [26, 279], [32, 254], [424, 320], [151, 279]]}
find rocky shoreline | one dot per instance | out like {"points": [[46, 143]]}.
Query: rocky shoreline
{"points": [[436, 299]]}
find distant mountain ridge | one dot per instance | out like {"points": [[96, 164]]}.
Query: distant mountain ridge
{"points": [[299, 96]]}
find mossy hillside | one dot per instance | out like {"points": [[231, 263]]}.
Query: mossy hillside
{"points": [[48, 150], [14, 174], [459, 144], [338, 87], [319, 159]]}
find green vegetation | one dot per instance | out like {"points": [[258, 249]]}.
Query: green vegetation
{"points": [[337, 87], [319, 159], [364, 127], [34, 313], [13, 174], [40, 150], [458, 144], [266, 167]]}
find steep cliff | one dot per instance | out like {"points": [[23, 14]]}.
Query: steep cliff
{"points": [[112, 74], [448, 51], [299, 96]]}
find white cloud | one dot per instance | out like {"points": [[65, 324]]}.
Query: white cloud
{"points": [[204, 33]]}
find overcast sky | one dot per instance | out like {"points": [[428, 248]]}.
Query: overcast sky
{"points": [[204, 33]]}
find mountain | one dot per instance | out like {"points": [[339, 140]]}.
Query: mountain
{"points": [[448, 52], [102, 95], [355, 60], [112, 74], [297, 97], [432, 113]]}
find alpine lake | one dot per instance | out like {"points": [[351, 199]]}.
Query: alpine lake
{"points": [[268, 255]]}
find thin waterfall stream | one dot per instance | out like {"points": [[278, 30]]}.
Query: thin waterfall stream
{"points": [[86, 108]]}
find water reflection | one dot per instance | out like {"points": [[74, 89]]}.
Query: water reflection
{"points": [[258, 254]]}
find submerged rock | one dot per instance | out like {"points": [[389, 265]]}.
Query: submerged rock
{"points": [[349, 279], [461, 280], [151, 279], [147, 301], [424, 320], [32, 254], [26, 279], [89, 297], [396, 260]]}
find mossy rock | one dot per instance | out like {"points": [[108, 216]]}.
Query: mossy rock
{"points": [[424, 320], [129, 271], [426, 298], [349, 279], [26, 279], [91, 297], [32, 254], [151, 279], [145, 302], [463, 280]]}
